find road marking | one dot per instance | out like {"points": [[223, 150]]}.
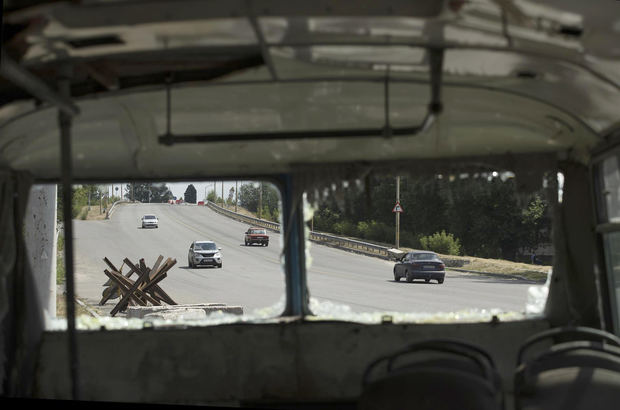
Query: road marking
{"points": [[197, 231]]}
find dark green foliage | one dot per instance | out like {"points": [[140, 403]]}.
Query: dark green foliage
{"points": [[325, 219], [484, 216], [83, 195], [149, 192], [536, 222], [441, 242], [212, 196], [249, 198], [190, 194]]}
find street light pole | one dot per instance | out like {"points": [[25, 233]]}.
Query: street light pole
{"points": [[397, 213], [236, 196]]}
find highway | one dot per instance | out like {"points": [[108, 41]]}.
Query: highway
{"points": [[252, 276]]}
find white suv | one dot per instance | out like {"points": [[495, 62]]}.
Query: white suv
{"points": [[150, 221], [204, 253]]}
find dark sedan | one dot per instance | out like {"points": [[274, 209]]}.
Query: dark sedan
{"points": [[420, 265]]}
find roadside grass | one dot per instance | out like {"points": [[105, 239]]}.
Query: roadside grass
{"points": [[61, 307], [61, 303], [500, 266], [91, 214], [240, 210], [60, 261]]}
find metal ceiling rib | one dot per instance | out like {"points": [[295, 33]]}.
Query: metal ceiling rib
{"points": [[532, 50], [106, 13], [37, 88]]}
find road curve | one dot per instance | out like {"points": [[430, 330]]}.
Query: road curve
{"points": [[252, 276]]}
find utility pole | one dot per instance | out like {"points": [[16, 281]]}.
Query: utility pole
{"points": [[260, 199], [236, 196], [223, 200], [397, 213]]}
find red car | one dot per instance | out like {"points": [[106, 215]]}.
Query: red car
{"points": [[256, 235]]}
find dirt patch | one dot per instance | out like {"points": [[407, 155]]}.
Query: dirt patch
{"points": [[92, 214], [240, 210], [61, 307]]}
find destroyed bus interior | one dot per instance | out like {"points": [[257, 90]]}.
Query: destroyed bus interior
{"points": [[438, 182]]}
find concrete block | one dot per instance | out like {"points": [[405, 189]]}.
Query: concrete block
{"points": [[206, 308], [177, 314]]}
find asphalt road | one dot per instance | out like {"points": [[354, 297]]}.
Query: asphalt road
{"points": [[252, 277]]}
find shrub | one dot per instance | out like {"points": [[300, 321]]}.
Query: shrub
{"points": [[441, 242], [265, 214], [346, 228], [380, 232], [83, 213], [362, 229], [275, 215], [407, 239], [325, 219]]}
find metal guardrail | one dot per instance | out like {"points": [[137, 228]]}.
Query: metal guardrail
{"points": [[109, 211], [337, 241], [358, 246], [364, 247], [244, 218]]}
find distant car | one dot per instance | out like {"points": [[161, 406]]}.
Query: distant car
{"points": [[420, 265], [256, 235], [150, 221], [204, 253]]}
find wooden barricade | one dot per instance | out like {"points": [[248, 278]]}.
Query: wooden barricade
{"points": [[143, 291]]}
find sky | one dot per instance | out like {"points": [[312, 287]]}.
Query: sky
{"points": [[178, 188]]}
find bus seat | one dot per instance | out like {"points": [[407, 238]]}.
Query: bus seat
{"points": [[435, 374], [580, 370]]}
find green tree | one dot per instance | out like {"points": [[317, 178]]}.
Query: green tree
{"points": [[249, 197], [212, 196], [190, 194], [149, 192], [486, 214], [536, 224], [325, 219]]}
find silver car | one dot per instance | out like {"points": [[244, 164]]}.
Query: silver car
{"points": [[204, 253], [150, 221]]}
